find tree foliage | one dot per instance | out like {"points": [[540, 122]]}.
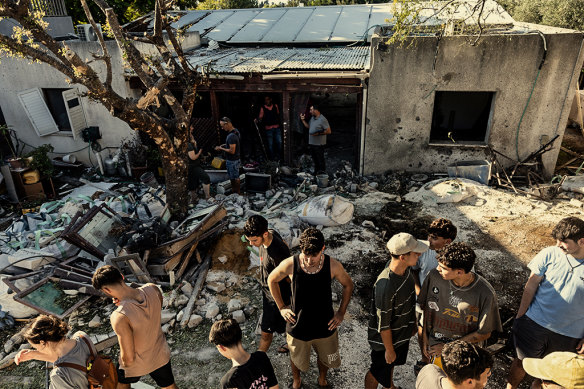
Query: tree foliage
{"points": [[556, 13], [227, 4]]}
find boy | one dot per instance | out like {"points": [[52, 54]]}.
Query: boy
{"points": [[249, 370]]}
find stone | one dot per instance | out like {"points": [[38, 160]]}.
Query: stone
{"points": [[301, 196], [313, 188], [232, 280], [181, 300], [258, 204], [166, 316], [201, 302], [374, 185], [233, 305], [239, 316], [576, 203], [94, 322], [216, 287], [249, 310], [212, 311], [71, 292], [335, 297], [166, 328], [353, 188], [180, 315], [269, 193], [222, 259], [194, 320], [187, 289], [368, 223], [220, 197], [218, 317]]}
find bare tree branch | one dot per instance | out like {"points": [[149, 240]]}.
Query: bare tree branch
{"points": [[105, 57], [152, 94]]}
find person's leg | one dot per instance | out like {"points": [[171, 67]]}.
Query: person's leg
{"points": [[322, 370], [420, 336], [531, 341], [235, 186], [295, 376], [314, 155], [173, 386], [322, 161], [123, 386], [516, 374], [193, 196], [265, 341], [207, 191], [164, 377], [370, 381], [277, 143], [269, 143]]}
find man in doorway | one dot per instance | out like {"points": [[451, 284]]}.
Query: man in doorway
{"points": [[136, 322], [312, 322], [269, 117], [272, 251], [318, 129], [456, 302], [551, 313], [466, 366], [392, 319], [232, 152]]}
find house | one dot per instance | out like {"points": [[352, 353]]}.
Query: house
{"points": [[441, 97]]}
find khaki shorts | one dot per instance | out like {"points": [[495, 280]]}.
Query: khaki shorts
{"points": [[327, 350]]}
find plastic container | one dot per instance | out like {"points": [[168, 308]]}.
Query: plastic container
{"points": [[149, 179], [322, 180], [479, 171]]}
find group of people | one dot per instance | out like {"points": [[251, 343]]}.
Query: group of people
{"points": [[428, 288]]}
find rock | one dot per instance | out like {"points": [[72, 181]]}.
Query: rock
{"points": [[212, 311], [180, 315], [313, 188], [249, 310], [194, 320], [259, 204], [7, 360], [201, 302], [576, 203], [94, 322], [220, 197], [187, 289], [374, 185], [218, 317], [233, 305], [301, 196], [368, 223], [71, 292], [269, 193], [14, 340], [181, 300], [335, 297], [222, 259], [239, 316], [216, 287], [166, 316], [166, 328], [353, 188], [232, 280]]}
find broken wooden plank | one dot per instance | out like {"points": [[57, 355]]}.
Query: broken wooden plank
{"points": [[196, 290], [134, 263]]}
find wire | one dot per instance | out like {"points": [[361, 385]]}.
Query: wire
{"points": [[26, 258]]}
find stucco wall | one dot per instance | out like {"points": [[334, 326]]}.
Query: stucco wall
{"points": [[403, 84]]}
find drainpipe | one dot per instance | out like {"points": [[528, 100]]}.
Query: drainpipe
{"points": [[363, 123]]}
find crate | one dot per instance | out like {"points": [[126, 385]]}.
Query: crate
{"points": [[257, 182]]}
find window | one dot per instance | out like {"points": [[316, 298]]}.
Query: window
{"points": [[52, 110], [461, 117]]}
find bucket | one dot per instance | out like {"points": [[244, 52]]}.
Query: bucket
{"points": [[479, 171], [322, 180], [149, 179]]}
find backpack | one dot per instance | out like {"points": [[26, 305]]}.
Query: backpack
{"points": [[100, 369]]}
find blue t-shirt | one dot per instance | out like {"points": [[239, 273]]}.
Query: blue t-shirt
{"points": [[426, 263], [558, 304]]}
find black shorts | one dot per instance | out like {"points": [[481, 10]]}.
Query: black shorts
{"points": [[272, 320], [162, 376], [381, 370], [197, 175], [534, 341]]}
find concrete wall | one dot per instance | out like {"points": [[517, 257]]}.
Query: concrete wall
{"points": [[403, 84]]}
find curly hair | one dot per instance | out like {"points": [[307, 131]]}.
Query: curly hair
{"points": [[46, 328], [443, 228], [256, 225], [226, 333], [457, 255], [311, 241], [106, 275], [462, 361], [569, 228]]}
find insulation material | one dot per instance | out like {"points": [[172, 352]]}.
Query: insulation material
{"points": [[326, 210]]}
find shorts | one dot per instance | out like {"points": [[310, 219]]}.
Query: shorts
{"points": [[381, 370], [162, 376], [327, 350], [534, 341], [233, 169], [197, 175], [272, 320]]}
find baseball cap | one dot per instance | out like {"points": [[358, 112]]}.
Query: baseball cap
{"points": [[403, 243], [563, 368]]}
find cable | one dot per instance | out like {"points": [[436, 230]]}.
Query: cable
{"points": [[25, 258]]}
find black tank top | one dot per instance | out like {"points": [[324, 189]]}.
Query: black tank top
{"points": [[312, 302], [271, 116]]}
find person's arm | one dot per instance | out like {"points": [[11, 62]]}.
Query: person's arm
{"points": [[121, 326], [528, 293], [338, 272], [283, 270], [580, 348], [387, 339], [418, 286], [303, 119], [30, 354]]}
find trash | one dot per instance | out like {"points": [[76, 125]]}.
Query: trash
{"points": [[573, 184], [326, 210], [479, 171], [445, 190], [322, 180]]}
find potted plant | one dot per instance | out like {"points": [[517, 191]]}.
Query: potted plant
{"points": [[137, 157], [40, 161], [15, 162]]}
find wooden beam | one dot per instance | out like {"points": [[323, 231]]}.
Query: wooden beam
{"points": [[204, 269]]}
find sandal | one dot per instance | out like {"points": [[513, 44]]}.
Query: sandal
{"points": [[283, 349]]}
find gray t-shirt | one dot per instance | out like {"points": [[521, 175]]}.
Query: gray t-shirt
{"points": [[316, 125], [68, 377], [430, 377], [426, 263]]}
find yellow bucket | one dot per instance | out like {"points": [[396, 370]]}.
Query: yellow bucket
{"points": [[218, 163]]}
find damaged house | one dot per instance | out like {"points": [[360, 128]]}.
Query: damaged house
{"points": [[441, 97]]}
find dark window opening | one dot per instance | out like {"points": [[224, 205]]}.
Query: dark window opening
{"points": [[461, 117], [73, 103], [56, 104]]}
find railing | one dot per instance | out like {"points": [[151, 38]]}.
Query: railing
{"points": [[50, 7]]}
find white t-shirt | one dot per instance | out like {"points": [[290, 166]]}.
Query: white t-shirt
{"points": [[430, 377]]}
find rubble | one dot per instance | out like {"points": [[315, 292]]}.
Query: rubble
{"points": [[239, 316]]}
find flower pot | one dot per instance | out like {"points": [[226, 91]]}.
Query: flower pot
{"points": [[16, 163]]}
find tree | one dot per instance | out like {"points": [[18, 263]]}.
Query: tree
{"points": [[227, 4], [556, 13], [31, 41]]}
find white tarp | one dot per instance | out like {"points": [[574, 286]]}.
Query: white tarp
{"points": [[326, 210]]}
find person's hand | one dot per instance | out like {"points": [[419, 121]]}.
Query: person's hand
{"points": [[425, 348], [23, 356], [217, 148], [436, 350], [255, 121], [390, 356], [336, 321], [580, 347], [302, 116], [288, 315]]}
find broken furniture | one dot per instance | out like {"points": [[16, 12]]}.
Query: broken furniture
{"points": [[257, 182], [40, 189]]}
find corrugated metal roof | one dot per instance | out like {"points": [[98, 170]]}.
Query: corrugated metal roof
{"points": [[266, 60], [345, 23]]}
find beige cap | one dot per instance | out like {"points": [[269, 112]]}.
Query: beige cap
{"points": [[563, 368], [403, 243]]}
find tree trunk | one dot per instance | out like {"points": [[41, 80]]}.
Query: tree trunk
{"points": [[176, 174]]}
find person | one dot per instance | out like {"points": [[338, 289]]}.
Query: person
{"points": [[249, 370], [440, 233], [311, 320], [466, 366], [318, 129], [196, 172], [551, 313], [232, 152], [269, 116], [48, 337], [392, 319], [456, 302], [557, 370], [136, 322], [272, 251]]}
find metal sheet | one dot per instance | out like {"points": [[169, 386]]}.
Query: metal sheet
{"points": [[320, 24], [210, 21], [258, 27], [189, 18], [289, 26], [231, 25], [351, 24]]}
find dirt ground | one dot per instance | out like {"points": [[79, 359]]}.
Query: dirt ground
{"points": [[505, 229]]}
